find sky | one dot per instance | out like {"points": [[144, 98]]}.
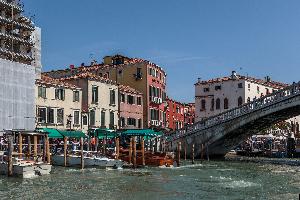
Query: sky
{"points": [[189, 39]]}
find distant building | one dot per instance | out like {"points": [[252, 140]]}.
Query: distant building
{"points": [[99, 101], [131, 108], [175, 114], [58, 104], [142, 75], [189, 114], [20, 65], [218, 95]]}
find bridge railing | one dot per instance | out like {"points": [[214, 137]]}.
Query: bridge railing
{"points": [[234, 113]]}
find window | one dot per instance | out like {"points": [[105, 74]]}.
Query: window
{"points": [[150, 91], [249, 86], [76, 117], [94, 94], [84, 120], [112, 97], [111, 119], [240, 85], [60, 116], [240, 101], [42, 92], [102, 118], [212, 107], [42, 115], [139, 123], [258, 90], [138, 73], [218, 104], [206, 89], [60, 94], [139, 100], [177, 109], [131, 122], [50, 116], [267, 91], [203, 102], [92, 118], [130, 99], [122, 98], [76, 96], [226, 103], [122, 121], [154, 114], [248, 99], [218, 87]]}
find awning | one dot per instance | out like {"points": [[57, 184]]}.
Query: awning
{"points": [[141, 132], [52, 133], [59, 134]]}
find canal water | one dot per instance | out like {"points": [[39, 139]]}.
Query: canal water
{"points": [[207, 180]]}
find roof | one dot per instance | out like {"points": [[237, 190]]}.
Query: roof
{"points": [[89, 76], [102, 66], [127, 89], [46, 80], [272, 84]]}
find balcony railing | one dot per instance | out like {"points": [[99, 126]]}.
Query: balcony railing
{"points": [[11, 5], [16, 23], [6, 36]]}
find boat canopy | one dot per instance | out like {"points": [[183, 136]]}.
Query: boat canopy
{"points": [[103, 133], [59, 134]]}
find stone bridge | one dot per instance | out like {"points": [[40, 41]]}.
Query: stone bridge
{"points": [[222, 133]]}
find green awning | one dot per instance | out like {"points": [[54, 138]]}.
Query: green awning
{"points": [[72, 134], [52, 133], [59, 134], [105, 133], [141, 132]]}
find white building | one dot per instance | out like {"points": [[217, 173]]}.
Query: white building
{"points": [[20, 64], [58, 104], [218, 95]]}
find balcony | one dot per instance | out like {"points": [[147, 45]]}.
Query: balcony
{"points": [[155, 123], [16, 55], [156, 100]]}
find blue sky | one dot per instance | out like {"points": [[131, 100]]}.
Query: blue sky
{"points": [[189, 39]]}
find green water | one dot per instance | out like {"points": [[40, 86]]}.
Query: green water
{"points": [[209, 180]]}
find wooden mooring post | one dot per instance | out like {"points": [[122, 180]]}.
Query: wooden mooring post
{"points": [[207, 153], [130, 151], [29, 147], [184, 151], [20, 146], [143, 151], [48, 149], [202, 152], [65, 151], [193, 154], [81, 153], [35, 147], [10, 152], [178, 153], [134, 152], [117, 148]]}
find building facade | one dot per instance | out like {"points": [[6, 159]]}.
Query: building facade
{"points": [[58, 104], [20, 56], [142, 75], [175, 114], [99, 101], [131, 108], [189, 114], [218, 95]]}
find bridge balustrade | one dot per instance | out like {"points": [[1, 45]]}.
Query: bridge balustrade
{"points": [[247, 108]]}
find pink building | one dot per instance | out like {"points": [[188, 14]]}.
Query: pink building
{"points": [[131, 108]]}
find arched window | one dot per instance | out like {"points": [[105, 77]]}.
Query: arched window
{"points": [[203, 106], [240, 101], [226, 103], [212, 105], [218, 104]]}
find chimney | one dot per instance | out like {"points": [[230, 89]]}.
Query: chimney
{"points": [[268, 79], [72, 66], [233, 75], [199, 80]]}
